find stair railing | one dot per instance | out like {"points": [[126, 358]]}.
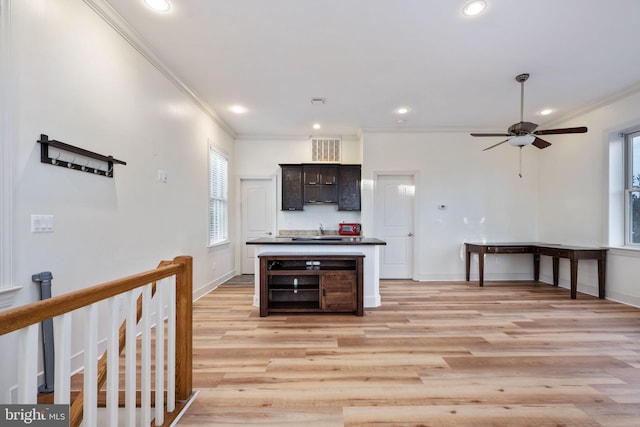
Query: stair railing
{"points": [[158, 299]]}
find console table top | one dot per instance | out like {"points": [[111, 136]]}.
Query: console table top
{"points": [[535, 244]]}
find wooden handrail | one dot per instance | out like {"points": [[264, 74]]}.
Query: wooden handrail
{"points": [[23, 316]]}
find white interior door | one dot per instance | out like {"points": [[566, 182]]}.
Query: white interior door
{"points": [[257, 216], [394, 213]]}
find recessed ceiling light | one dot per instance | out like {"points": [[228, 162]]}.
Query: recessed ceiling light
{"points": [[546, 112], [238, 109], [318, 101], [316, 126], [403, 110], [474, 8], [158, 5]]}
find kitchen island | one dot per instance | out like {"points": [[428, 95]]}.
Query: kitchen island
{"points": [[331, 244]]}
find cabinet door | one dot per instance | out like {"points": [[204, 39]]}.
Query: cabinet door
{"points": [[339, 291], [349, 188], [311, 175], [292, 189], [328, 175]]}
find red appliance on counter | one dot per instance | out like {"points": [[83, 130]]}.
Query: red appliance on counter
{"points": [[349, 229]]}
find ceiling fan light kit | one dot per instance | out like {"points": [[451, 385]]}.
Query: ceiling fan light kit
{"points": [[522, 140]]}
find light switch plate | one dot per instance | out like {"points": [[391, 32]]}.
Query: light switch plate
{"points": [[41, 223]]}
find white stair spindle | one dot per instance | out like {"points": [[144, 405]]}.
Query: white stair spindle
{"points": [[90, 412], [28, 365], [145, 325], [159, 362], [130, 359], [62, 345], [113, 353], [171, 345]]}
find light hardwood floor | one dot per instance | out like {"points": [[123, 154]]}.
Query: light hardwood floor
{"points": [[434, 354]]}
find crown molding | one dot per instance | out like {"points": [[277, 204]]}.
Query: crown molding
{"points": [[135, 39], [589, 107]]}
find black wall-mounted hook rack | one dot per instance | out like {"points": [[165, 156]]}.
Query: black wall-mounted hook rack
{"points": [[109, 161]]}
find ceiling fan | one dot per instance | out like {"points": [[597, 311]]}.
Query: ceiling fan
{"points": [[525, 133]]}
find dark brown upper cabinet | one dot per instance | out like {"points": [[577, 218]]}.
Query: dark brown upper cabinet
{"points": [[349, 188], [320, 184], [312, 184], [292, 189]]}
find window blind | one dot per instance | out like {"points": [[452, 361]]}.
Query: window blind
{"points": [[218, 197]]}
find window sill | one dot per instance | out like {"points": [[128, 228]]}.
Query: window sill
{"points": [[222, 243], [630, 251], [7, 295]]}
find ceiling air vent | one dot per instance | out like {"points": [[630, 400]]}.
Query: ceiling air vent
{"points": [[325, 149]]}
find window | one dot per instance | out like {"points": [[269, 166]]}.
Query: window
{"points": [[218, 197], [632, 188]]}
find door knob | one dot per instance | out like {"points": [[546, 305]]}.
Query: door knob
{"points": [[269, 233], [410, 234]]}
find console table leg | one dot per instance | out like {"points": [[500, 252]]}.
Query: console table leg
{"points": [[468, 265], [574, 277], [602, 275], [556, 270], [536, 267], [481, 268]]}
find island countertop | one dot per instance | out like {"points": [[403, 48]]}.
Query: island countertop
{"points": [[320, 240]]}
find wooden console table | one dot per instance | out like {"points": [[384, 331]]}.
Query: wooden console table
{"points": [[572, 253]]}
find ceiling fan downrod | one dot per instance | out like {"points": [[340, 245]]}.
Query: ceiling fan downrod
{"points": [[521, 78]]}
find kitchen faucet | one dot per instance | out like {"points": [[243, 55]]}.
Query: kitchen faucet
{"points": [[321, 229]]}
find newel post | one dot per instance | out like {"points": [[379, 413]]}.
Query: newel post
{"points": [[184, 328]]}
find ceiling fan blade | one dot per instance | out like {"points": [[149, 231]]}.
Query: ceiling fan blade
{"points": [[495, 145], [581, 129], [540, 143], [490, 134]]}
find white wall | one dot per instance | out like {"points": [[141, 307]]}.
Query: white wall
{"points": [[575, 199], [80, 82], [485, 198]]}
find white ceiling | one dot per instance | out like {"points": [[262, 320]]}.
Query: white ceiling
{"points": [[368, 57]]}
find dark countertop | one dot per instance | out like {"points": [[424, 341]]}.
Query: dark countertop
{"points": [[344, 240]]}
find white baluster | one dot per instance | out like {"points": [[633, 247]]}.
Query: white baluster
{"points": [[130, 359], [113, 353], [62, 345], [145, 325], [28, 364], [90, 412], [159, 384], [171, 345]]}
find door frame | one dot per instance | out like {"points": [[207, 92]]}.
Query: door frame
{"points": [[272, 179], [415, 175]]}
